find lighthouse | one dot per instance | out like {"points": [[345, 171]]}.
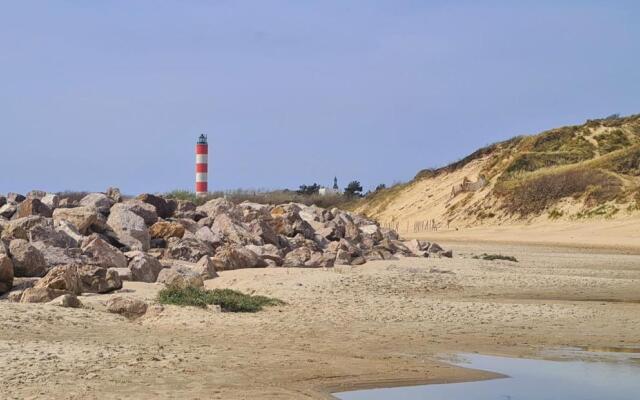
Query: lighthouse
{"points": [[202, 166]]}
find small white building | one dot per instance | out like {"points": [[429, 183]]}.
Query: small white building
{"points": [[332, 191]]}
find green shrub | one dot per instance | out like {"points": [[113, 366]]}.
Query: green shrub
{"points": [[612, 141], [229, 300], [528, 162], [555, 214], [539, 191]]}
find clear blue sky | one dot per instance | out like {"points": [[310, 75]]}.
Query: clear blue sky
{"points": [[100, 93]]}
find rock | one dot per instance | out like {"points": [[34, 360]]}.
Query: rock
{"points": [[54, 256], [185, 206], [3, 200], [163, 209], [205, 267], [372, 230], [36, 194], [8, 210], [19, 228], [63, 278], [205, 234], [102, 253], [81, 217], [233, 232], [268, 252], [264, 230], [320, 260], [417, 247], [435, 248], [124, 274], [144, 268], [220, 206], [129, 228], [180, 276], [166, 230], [343, 257], [234, 257], [15, 197], [188, 249], [114, 194], [63, 235], [140, 208], [40, 295], [51, 200], [33, 207], [98, 201], [66, 300], [127, 306], [6, 273], [95, 279], [448, 254], [297, 257], [28, 261]]}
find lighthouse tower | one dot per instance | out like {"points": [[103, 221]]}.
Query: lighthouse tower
{"points": [[202, 166]]}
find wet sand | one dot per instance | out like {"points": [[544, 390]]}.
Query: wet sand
{"points": [[381, 324]]}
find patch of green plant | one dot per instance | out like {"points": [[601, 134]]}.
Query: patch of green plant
{"points": [[604, 210], [528, 162], [535, 193], [555, 214], [612, 141], [229, 300], [492, 257]]}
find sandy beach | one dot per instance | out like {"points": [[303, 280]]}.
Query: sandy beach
{"points": [[382, 324]]}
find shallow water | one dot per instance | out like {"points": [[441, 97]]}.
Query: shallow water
{"points": [[528, 380]]}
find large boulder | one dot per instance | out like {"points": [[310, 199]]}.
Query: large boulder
{"points": [[6, 273], [81, 217], [28, 261], [3, 200], [54, 255], [220, 206], [7, 210], [233, 232], [51, 200], [206, 235], [235, 257], [297, 257], [40, 295], [180, 276], [61, 234], [205, 267], [15, 197], [163, 208], [128, 306], [268, 252], [144, 268], [140, 208], [188, 249], [98, 201], [129, 228], [95, 279], [63, 278], [102, 253], [114, 194], [33, 206], [166, 230]]}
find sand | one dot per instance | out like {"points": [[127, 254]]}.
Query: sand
{"points": [[381, 324]]}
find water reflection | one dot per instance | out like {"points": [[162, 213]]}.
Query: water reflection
{"points": [[528, 380]]}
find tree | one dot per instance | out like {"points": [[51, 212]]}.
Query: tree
{"points": [[308, 190], [353, 189], [380, 187]]}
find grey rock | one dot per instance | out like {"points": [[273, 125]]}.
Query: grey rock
{"points": [[28, 261]]}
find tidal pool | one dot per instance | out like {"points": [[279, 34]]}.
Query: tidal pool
{"points": [[527, 380]]}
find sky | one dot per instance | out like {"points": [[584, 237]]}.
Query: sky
{"points": [[115, 93]]}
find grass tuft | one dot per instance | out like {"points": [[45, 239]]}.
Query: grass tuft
{"points": [[229, 300]]}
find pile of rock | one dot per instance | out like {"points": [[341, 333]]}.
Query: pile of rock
{"points": [[94, 243]]}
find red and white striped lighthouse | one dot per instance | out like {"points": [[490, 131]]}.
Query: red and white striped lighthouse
{"points": [[202, 166]]}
